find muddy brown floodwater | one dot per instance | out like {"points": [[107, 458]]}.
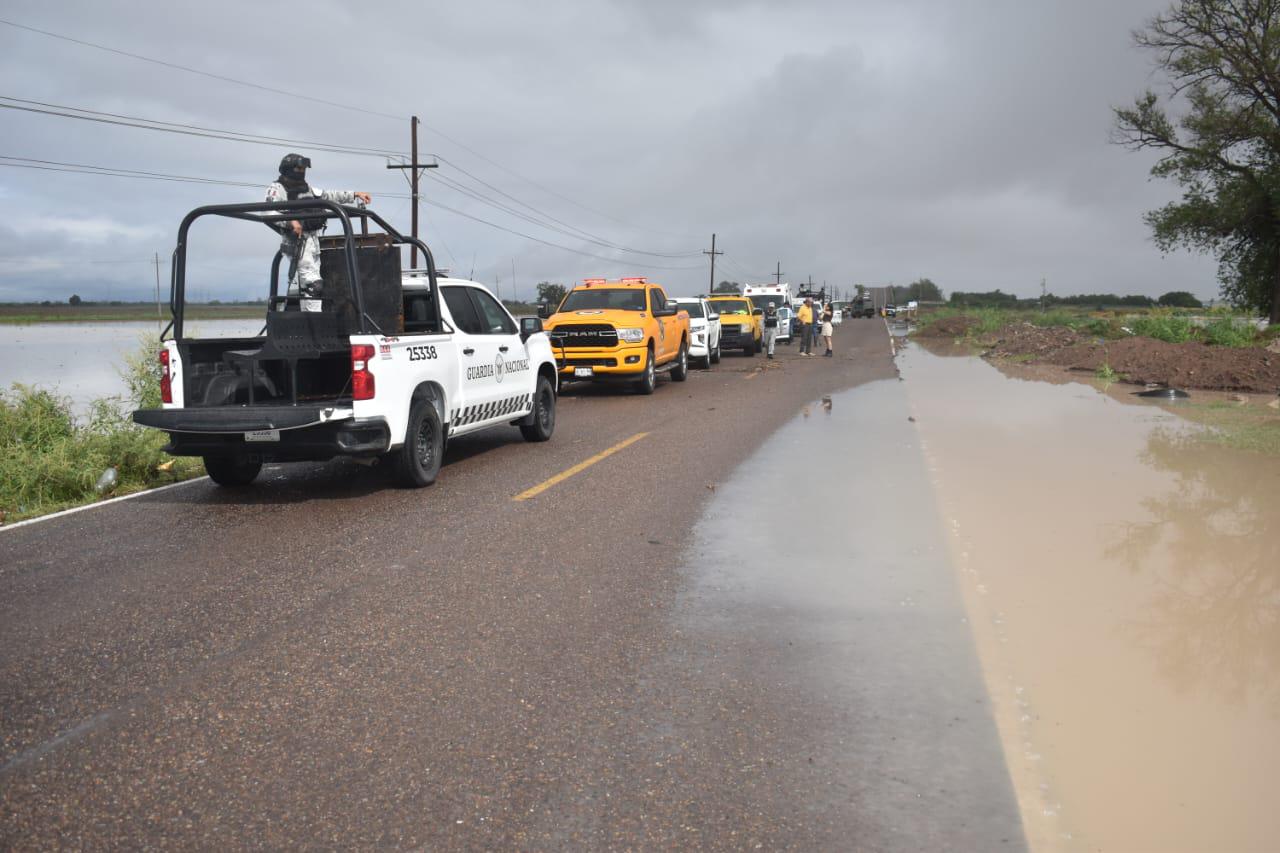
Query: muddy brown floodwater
{"points": [[1123, 580]]}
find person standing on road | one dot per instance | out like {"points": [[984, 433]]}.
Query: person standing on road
{"points": [[828, 327], [770, 327], [805, 318], [300, 239]]}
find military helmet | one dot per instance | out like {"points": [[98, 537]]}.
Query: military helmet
{"points": [[292, 163]]}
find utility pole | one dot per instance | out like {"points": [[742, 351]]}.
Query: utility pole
{"points": [[159, 316], [713, 254], [777, 275], [415, 172], [514, 295]]}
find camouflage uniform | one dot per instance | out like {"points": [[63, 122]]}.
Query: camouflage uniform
{"points": [[304, 259]]}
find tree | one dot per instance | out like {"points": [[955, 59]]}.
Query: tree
{"points": [[552, 293], [727, 287], [922, 290], [74, 300], [1179, 299], [1222, 60]]}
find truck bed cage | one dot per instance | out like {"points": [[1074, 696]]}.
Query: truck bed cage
{"points": [[273, 214]]}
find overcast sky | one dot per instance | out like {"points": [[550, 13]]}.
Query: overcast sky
{"points": [[850, 140]]}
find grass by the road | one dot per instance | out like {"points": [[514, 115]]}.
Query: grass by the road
{"points": [[1244, 427], [1213, 326], [23, 314], [50, 461]]}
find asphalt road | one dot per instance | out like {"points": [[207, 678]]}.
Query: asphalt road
{"points": [[325, 660]]}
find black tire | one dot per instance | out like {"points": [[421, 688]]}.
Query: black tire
{"points": [[705, 363], [231, 470], [417, 462], [544, 413], [714, 358], [680, 372], [760, 345], [749, 350], [649, 380]]}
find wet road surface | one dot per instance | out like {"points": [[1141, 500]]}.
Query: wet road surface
{"points": [[324, 660]]}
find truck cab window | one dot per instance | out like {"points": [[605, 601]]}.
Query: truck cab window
{"points": [[462, 310], [420, 314], [493, 318]]}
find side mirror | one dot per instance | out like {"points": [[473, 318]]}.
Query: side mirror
{"points": [[668, 311], [713, 315], [544, 310], [757, 312], [530, 326]]}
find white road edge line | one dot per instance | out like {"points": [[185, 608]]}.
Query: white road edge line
{"points": [[75, 509]]}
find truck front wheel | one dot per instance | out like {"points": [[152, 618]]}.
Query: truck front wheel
{"points": [[417, 462], [649, 379], [543, 417], [231, 470]]}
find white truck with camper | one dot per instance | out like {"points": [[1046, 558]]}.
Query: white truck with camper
{"points": [[392, 366], [780, 295]]}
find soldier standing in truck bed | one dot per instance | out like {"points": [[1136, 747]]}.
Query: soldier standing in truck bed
{"points": [[300, 239]]}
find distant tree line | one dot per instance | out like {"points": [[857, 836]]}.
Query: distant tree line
{"points": [[999, 299]]}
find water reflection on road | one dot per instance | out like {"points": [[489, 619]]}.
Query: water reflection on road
{"points": [[1124, 583]]}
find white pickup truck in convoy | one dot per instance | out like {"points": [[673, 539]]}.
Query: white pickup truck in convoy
{"points": [[392, 366]]}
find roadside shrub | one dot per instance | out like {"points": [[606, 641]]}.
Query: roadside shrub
{"points": [[1057, 317], [50, 460], [1163, 326], [1225, 333], [1102, 327]]}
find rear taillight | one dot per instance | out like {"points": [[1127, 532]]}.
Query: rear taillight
{"points": [[362, 385], [166, 381]]}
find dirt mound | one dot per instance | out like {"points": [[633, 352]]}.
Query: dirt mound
{"points": [[948, 327], [1024, 339], [1141, 360]]}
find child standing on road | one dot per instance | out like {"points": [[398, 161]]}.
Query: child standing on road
{"points": [[828, 328]]}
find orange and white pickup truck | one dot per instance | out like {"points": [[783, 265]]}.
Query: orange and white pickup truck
{"points": [[619, 331]]}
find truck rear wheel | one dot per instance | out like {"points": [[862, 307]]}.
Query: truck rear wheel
{"points": [[543, 416], [417, 462], [680, 372], [231, 470]]}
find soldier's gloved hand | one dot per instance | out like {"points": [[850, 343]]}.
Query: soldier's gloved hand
{"points": [[363, 198]]}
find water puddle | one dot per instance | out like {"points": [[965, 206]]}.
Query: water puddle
{"points": [[1123, 581]]}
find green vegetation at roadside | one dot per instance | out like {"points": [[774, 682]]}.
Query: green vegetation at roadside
{"points": [[1249, 427], [50, 461], [1212, 326]]}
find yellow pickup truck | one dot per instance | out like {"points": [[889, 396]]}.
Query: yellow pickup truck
{"points": [[740, 326], [619, 331]]}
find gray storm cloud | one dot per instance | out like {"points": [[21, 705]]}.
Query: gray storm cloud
{"points": [[867, 142]]}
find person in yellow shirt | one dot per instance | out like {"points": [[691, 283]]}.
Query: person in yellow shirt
{"points": [[805, 318]]}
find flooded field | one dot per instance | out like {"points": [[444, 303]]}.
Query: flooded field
{"points": [[83, 361], [1123, 580]]}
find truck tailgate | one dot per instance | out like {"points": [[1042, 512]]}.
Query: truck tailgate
{"points": [[239, 418]]}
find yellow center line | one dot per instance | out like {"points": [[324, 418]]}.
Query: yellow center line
{"points": [[576, 469]]}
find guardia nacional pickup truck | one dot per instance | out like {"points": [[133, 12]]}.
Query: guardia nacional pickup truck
{"points": [[392, 366]]}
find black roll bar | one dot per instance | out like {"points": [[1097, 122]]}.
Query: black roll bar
{"points": [[274, 212]]}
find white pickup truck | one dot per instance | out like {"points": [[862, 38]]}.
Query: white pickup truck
{"points": [[391, 367]]}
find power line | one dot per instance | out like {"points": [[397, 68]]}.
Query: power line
{"points": [[594, 238], [140, 123], [568, 231], [210, 75], [85, 169], [299, 96], [137, 122]]}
